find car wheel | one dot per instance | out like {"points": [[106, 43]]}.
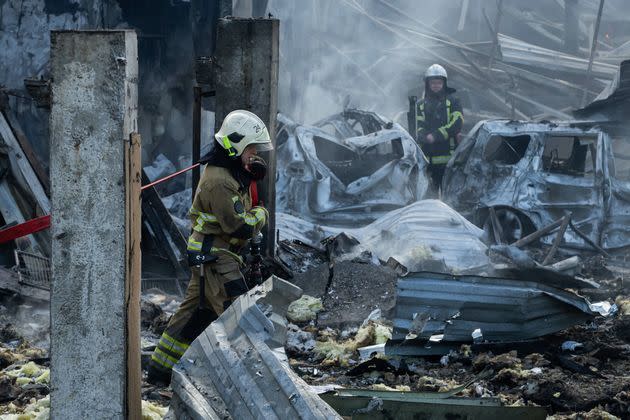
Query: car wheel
{"points": [[511, 224]]}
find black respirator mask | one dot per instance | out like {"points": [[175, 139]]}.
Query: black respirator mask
{"points": [[257, 168]]}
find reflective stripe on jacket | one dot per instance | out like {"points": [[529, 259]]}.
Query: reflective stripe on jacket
{"points": [[222, 207], [443, 119]]}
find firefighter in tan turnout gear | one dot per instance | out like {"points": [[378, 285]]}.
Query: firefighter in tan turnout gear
{"points": [[223, 218]]}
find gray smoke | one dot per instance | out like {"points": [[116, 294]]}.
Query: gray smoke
{"points": [[340, 52]]}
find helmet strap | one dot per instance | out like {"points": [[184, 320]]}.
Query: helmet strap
{"points": [[227, 145]]}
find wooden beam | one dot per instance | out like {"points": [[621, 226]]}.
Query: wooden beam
{"points": [[556, 243], [24, 166], [25, 144], [538, 234], [133, 214]]}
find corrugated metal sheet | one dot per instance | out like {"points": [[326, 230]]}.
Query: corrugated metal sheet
{"points": [[425, 230], [504, 309], [237, 369]]}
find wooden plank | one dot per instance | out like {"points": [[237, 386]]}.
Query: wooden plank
{"points": [[133, 216], [25, 144], [538, 234], [556, 243], [24, 166], [172, 241]]}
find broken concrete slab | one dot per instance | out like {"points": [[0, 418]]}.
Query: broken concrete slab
{"points": [[95, 179], [237, 369]]}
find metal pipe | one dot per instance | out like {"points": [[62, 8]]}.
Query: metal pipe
{"points": [[495, 40], [593, 48], [196, 144]]}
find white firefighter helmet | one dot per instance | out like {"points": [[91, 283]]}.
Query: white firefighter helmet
{"points": [[435, 70], [241, 128]]}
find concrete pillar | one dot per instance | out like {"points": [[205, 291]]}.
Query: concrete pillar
{"points": [[247, 78], [95, 180]]}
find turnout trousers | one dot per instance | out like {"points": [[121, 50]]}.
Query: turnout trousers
{"points": [[223, 283]]}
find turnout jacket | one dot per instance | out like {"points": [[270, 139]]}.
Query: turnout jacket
{"points": [[442, 117], [222, 214]]}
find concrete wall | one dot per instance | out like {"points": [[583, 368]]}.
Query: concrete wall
{"points": [[94, 110], [247, 56]]}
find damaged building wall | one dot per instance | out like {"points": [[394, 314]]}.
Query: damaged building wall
{"points": [[165, 62], [25, 50]]}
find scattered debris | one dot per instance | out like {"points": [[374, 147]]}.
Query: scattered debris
{"points": [[571, 345], [304, 309], [424, 235], [151, 411]]}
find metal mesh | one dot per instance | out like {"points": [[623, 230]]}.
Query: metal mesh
{"points": [[33, 269]]}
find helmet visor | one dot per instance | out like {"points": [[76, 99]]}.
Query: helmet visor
{"points": [[264, 147]]}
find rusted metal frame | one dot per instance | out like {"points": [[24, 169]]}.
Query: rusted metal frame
{"points": [[360, 69], [354, 5], [495, 30], [556, 243], [482, 76]]}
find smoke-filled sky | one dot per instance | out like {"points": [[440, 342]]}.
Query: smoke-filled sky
{"points": [[372, 53], [332, 52]]}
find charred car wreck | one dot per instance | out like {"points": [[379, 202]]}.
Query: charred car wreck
{"points": [[351, 167], [532, 174]]}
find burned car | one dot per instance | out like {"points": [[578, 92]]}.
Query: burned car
{"points": [[347, 169], [533, 174]]}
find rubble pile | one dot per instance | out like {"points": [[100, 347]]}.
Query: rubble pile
{"points": [[581, 369], [25, 368], [592, 375]]}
